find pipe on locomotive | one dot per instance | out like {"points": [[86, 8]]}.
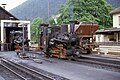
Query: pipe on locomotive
{"points": [[42, 36], [72, 26]]}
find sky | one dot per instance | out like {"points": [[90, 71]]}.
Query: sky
{"points": [[11, 3]]}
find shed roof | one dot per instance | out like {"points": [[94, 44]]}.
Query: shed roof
{"points": [[115, 11], [8, 13], [89, 24]]}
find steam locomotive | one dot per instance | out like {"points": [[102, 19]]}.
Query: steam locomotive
{"points": [[59, 42], [17, 38], [64, 45]]}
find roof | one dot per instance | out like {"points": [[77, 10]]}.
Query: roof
{"points": [[115, 11], [108, 30], [88, 24], [9, 13], [86, 28]]}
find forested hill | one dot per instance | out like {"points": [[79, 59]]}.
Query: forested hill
{"points": [[39, 8], [114, 3]]}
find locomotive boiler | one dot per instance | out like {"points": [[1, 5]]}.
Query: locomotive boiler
{"points": [[64, 45]]}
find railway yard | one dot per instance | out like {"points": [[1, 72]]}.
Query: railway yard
{"points": [[79, 42], [37, 67]]}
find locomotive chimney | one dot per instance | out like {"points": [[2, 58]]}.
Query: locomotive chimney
{"points": [[72, 26]]}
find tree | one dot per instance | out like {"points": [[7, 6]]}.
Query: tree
{"points": [[51, 21], [35, 28], [87, 11]]}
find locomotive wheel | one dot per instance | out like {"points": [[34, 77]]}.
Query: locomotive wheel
{"points": [[46, 54], [72, 57], [88, 51]]}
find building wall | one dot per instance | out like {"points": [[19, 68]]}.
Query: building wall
{"points": [[99, 38], [116, 20], [104, 38]]}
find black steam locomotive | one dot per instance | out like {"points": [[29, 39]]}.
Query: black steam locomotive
{"points": [[63, 45], [57, 41], [17, 38]]}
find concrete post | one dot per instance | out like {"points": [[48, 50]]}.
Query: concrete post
{"points": [[28, 27], [117, 37], [2, 35]]}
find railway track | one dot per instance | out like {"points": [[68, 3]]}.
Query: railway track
{"points": [[97, 62], [104, 63], [23, 72]]}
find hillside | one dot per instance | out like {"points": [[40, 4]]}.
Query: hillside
{"points": [[36, 8], [39, 8], [114, 3]]}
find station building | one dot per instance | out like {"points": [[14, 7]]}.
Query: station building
{"points": [[109, 38]]}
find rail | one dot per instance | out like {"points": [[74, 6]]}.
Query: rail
{"points": [[24, 72], [104, 62]]}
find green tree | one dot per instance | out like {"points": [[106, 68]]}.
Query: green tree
{"points": [[51, 21], [35, 28], [87, 11]]}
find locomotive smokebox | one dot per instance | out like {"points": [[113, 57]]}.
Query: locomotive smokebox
{"points": [[64, 28]]}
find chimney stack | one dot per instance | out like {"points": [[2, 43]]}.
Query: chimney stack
{"points": [[3, 5]]}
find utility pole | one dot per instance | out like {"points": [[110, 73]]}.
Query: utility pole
{"points": [[71, 10], [48, 10], [72, 22]]}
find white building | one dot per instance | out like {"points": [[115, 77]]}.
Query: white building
{"points": [[110, 37]]}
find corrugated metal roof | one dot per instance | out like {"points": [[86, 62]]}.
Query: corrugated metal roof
{"points": [[108, 30]]}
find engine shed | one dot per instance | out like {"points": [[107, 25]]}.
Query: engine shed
{"points": [[9, 23]]}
